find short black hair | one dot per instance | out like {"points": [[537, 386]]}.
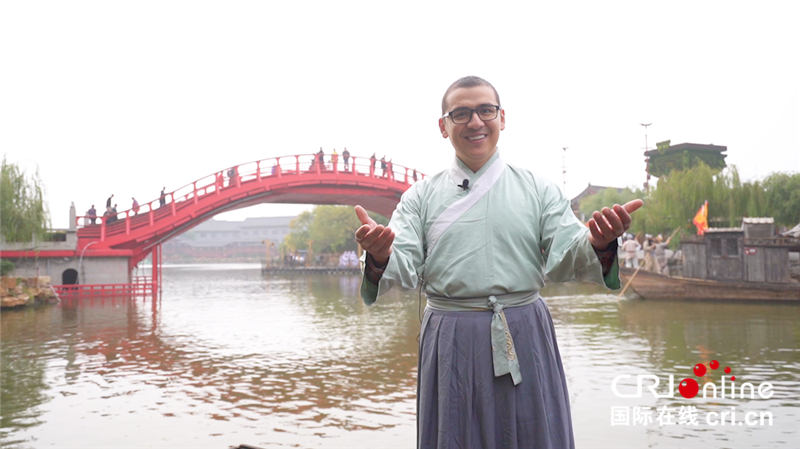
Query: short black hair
{"points": [[467, 81]]}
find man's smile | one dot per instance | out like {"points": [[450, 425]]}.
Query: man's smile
{"points": [[478, 137]]}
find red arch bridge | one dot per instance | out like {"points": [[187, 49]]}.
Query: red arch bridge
{"points": [[134, 235]]}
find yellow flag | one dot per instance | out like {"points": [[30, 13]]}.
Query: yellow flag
{"points": [[701, 219]]}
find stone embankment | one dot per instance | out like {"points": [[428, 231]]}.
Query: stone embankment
{"points": [[17, 292]]}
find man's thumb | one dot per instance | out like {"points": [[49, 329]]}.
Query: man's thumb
{"points": [[632, 206], [362, 215]]}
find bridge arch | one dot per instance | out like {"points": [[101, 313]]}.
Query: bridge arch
{"points": [[297, 179]]}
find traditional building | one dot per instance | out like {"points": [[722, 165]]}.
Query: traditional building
{"points": [[217, 240], [685, 155]]}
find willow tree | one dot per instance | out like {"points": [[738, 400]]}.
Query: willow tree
{"points": [[782, 195], [677, 197], [607, 198], [23, 213]]}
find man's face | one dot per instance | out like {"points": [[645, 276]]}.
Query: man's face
{"points": [[476, 141]]}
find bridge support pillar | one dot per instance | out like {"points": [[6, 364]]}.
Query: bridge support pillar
{"points": [[156, 256]]}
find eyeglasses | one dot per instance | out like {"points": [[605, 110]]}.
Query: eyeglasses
{"points": [[486, 112]]}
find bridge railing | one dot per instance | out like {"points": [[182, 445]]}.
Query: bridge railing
{"points": [[104, 290], [255, 171]]}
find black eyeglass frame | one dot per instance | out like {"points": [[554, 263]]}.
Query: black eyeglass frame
{"points": [[497, 108]]}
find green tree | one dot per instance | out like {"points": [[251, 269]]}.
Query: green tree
{"points": [[23, 211], [330, 228], [782, 196], [333, 228], [606, 198], [298, 238], [675, 200]]}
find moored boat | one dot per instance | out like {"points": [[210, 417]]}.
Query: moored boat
{"points": [[749, 263], [650, 285]]}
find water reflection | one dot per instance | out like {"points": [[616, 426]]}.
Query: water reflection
{"points": [[295, 356], [602, 338], [230, 357]]}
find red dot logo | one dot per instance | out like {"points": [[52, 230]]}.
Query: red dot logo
{"points": [[714, 364], [699, 370], [688, 388], [727, 370]]}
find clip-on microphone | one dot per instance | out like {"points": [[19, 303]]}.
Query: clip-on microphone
{"points": [[464, 184]]}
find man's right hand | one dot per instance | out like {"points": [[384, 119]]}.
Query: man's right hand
{"points": [[374, 238]]}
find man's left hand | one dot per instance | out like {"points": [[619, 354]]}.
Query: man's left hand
{"points": [[610, 223]]}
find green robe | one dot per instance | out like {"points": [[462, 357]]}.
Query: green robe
{"points": [[521, 230]]}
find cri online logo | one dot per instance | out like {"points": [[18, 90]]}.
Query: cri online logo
{"points": [[689, 387]]}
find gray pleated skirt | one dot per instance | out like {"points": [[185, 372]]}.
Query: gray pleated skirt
{"points": [[461, 405]]}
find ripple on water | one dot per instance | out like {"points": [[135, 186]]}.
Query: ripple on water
{"points": [[283, 361]]}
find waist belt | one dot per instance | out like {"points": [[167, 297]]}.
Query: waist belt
{"points": [[504, 357]]}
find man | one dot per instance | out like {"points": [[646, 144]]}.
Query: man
{"points": [[231, 176], [383, 166], [108, 202], [321, 158], [630, 247], [346, 157], [649, 254], [111, 214], [92, 213], [660, 252], [162, 199], [481, 237]]}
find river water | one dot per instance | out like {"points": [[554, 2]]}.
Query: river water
{"points": [[229, 356]]}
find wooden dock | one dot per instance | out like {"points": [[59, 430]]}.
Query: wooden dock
{"points": [[311, 270]]}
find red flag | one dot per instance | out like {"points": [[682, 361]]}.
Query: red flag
{"points": [[701, 219]]}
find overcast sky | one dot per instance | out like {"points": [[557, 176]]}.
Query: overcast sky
{"points": [[128, 97]]}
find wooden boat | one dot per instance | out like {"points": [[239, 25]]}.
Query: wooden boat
{"points": [[650, 285]]}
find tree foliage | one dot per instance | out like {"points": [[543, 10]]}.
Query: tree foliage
{"points": [[607, 197], [298, 238], [23, 212], [782, 194], [329, 228], [676, 199]]}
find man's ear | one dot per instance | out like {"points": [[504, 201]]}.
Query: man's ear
{"points": [[442, 128], [502, 119]]}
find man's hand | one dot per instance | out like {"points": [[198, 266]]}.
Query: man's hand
{"points": [[608, 224], [374, 238]]}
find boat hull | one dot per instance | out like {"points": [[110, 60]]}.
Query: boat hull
{"points": [[650, 285]]}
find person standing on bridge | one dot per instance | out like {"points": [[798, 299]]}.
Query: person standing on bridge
{"points": [[480, 238], [334, 159], [232, 177], [92, 213], [346, 157], [112, 214], [162, 199], [135, 206], [372, 160], [321, 159], [108, 202], [383, 166]]}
